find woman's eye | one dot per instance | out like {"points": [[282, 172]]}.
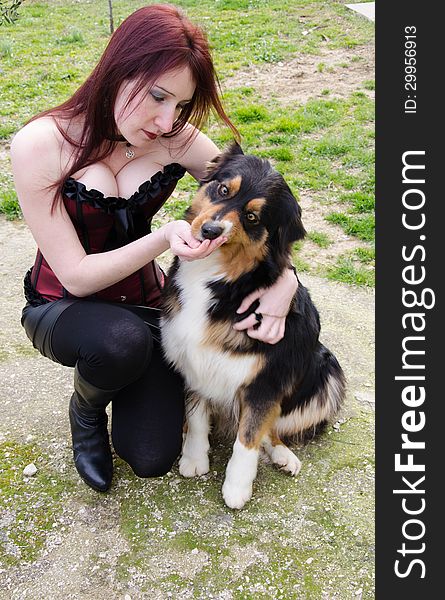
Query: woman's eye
{"points": [[157, 98], [251, 217], [223, 190]]}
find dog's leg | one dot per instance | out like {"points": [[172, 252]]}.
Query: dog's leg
{"points": [[280, 454], [242, 468], [194, 460]]}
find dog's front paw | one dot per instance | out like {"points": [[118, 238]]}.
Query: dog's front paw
{"points": [[192, 466], [285, 459], [236, 496]]}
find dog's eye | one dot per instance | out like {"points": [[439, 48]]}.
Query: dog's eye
{"points": [[251, 217], [223, 190]]}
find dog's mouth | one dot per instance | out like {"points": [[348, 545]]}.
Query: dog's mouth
{"points": [[210, 229]]}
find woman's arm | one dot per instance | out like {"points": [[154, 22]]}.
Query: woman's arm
{"points": [[274, 306], [37, 160]]}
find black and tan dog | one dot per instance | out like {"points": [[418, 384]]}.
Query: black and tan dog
{"points": [[273, 391]]}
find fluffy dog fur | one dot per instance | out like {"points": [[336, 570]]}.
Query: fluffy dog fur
{"points": [[274, 391]]}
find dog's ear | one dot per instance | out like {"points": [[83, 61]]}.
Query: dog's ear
{"points": [[291, 228], [234, 149], [214, 165]]}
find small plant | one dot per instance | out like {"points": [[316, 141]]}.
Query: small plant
{"points": [[319, 238], [9, 205], [347, 271], [264, 52], [9, 11], [5, 49], [365, 255], [74, 36], [361, 226], [251, 113]]}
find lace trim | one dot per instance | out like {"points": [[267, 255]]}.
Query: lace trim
{"points": [[31, 294], [150, 189]]}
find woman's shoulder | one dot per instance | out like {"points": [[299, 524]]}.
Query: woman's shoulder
{"points": [[192, 149], [37, 141], [39, 133], [40, 147]]}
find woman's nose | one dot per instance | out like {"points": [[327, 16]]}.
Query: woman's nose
{"points": [[164, 119]]}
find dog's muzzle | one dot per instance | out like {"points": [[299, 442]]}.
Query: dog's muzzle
{"points": [[211, 230]]}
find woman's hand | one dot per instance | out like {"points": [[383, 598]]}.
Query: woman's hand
{"points": [[178, 235], [274, 306]]}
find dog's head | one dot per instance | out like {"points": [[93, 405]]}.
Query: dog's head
{"points": [[245, 199]]}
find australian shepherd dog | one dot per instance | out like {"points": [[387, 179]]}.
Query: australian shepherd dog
{"points": [[270, 391]]}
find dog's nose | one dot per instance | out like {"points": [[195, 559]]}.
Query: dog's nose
{"points": [[210, 231]]}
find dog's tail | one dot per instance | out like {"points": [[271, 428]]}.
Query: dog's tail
{"points": [[318, 399]]}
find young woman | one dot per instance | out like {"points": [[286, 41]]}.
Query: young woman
{"points": [[90, 174]]}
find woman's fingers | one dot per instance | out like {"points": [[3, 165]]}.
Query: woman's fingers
{"points": [[248, 300], [270, 331], [204, 249]]}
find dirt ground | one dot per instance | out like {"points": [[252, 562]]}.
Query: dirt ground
{"points": [[312, 540], [341, 71]]}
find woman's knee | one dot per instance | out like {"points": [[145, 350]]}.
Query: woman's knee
{"points": [[156, 467], [152, 460], [121, 353]]}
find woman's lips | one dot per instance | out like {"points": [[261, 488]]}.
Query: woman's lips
{"points": [[151, 136]]}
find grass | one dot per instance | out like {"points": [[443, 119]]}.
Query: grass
{"points": [[305, 538], [348, 271], [9, 205], [30, 505], [325, 145], [321, 239]]}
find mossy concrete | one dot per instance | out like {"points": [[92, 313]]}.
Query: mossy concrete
{"points": [[306, 538]]}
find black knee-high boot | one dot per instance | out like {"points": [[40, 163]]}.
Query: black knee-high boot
{"points": [[91, 443]]}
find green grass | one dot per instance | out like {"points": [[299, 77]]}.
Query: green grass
{"points": [[348, 271], [321, 239], [30, 505], [9, 205], [365, 255], [362, 226], [5, 49], [241, 33], [325, 145], [74, 37]]}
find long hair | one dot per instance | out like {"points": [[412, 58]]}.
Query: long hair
{"points": [[150, 42]]}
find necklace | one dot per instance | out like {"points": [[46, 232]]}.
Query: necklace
{"points": [[129, 152]]}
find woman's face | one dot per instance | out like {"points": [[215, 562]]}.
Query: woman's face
{"points": [[150, 114]]}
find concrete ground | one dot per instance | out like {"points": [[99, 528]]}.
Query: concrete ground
{"points": [[367, 9], [311, 537]]}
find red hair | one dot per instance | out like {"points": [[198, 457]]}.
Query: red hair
{"points": [[150, 42]]}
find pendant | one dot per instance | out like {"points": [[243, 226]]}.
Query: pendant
{"points": [[129, 153]]}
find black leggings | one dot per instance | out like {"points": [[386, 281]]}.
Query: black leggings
{"points": [[116, 347]]}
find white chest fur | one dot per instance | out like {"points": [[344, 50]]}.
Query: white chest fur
{"points": [[214, 374]]}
